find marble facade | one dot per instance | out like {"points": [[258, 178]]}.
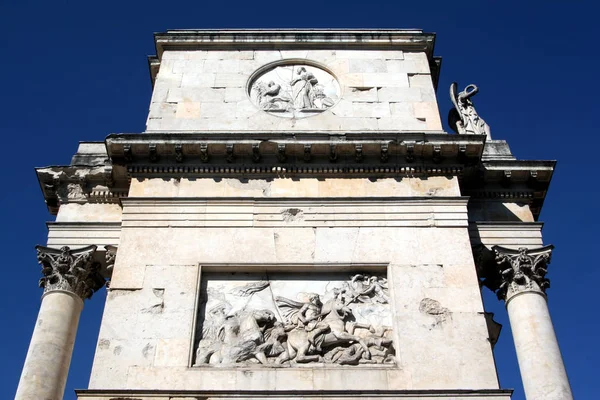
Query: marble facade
{"points": [[294, 223]]}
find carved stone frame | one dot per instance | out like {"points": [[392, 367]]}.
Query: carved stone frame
{"points": [[289, 61]]}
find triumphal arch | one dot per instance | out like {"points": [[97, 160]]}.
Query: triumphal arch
{"points": [[295, 223]]}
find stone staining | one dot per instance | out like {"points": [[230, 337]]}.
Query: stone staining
{"points": [[463, 118], [294, 91], [70, 270], [280, 320]]}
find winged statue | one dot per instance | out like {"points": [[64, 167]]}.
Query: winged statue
{"points": [[463, 118]]}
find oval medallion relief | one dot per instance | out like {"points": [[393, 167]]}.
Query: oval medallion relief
{"points": [[293, 89]]}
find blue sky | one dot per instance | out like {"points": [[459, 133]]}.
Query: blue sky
{"points": [[77, 71]]}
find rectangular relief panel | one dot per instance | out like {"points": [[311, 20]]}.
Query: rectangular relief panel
{"points": [[278, 319]]}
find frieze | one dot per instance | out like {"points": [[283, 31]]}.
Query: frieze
{"points": [[282, 320]]}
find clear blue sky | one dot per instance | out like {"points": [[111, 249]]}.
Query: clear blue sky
{"points": [[76, 70]]}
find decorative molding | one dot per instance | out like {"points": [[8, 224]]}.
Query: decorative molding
{"points": [[289, 170], [514, 271], [71, 270], [110, 257]]}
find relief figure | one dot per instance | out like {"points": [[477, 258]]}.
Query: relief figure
{"points": [[303, 89], [345, 325]]}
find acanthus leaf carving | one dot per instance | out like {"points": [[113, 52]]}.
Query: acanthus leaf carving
{"points": [[518, 271], [70, 270]]}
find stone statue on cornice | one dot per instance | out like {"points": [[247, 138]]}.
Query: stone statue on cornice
{"points": [[463, 118]]}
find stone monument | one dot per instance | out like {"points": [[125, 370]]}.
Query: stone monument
{"points": [[295, 223]]}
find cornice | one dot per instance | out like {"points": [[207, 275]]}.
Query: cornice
{"points": [[298, 153], [268, 155], [62, 184], [525, 181], [410, 40], [398, 39]]}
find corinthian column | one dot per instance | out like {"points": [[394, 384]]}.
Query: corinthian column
{"points": [[519, 278], [69, 277]]}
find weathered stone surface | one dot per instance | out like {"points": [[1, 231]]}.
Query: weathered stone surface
{"points": [[194, 81]]}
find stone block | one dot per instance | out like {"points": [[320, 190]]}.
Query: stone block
{"points": [[402, 110], [230, 80], [288, 54], [322, 56], [360, 94], [420, 80], [226, 124], [399, 94], [428, 94], [385, 80], [371, 110], [401, 123], [89, 212], [299, 379], [168, 80], [177, 282], [165, 325], [217, 110], [159, 95], [295, 244], [187, 66], [174, 55], [224, 66], [245, 109], [460, 275], [195, 54], [429, 112], [113, 359], [235, 94], [127, 277], [355, 80], [188, 110], [339, 67], [248, 66], [408, 66], [362, 54], [350, 379], [343, 108], [198, 80], [267, 56], [367, 66], [229, 55], [262, 120], [368, 124], [345, 239], [172, 352]]}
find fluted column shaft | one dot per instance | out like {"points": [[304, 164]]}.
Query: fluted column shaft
{"points": [[69, 277], [519, 278]]}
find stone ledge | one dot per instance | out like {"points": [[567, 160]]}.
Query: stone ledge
{"points": [[492, 394]]}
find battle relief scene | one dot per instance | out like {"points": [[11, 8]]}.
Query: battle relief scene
{"points": [[294, 90], [281, 320]]}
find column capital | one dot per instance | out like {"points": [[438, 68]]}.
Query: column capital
{"points": [[72, 270], [517, 271]]}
